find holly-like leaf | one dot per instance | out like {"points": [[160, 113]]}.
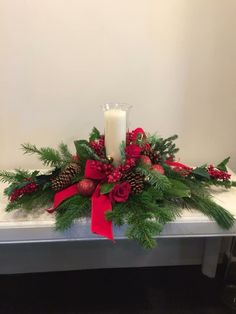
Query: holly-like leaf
{"points": [[222, 165], [201, 172], [94, 135], [106, 188], [81, 150]]}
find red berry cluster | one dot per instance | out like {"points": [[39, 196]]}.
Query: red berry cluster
{"points": [[129, 163], [27, 189], [98, 146], [113, 174], [114, 177], [101, 167], [218, 174]]}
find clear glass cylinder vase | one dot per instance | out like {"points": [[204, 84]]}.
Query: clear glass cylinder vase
{"points": [[115, 128]]}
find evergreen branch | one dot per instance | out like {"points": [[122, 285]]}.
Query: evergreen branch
{"points": [[15, 176], [154, 178], [75, 207], [209, 208], [91, 153], [142, 229], [49, 156], [7, 176], [118, 214], [167, 212], [36, 200], [165, 147], [94, 135], [65, 153]]}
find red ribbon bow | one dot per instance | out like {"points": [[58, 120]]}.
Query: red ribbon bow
{"points": [[101, 203]]}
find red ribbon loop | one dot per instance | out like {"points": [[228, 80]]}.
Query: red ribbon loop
{"points": [[101, 203], [178, 165]]}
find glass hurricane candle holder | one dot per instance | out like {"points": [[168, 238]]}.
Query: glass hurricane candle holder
{"points": [[115, 128]]}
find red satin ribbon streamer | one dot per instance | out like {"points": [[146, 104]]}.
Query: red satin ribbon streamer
{"points": [[59, 197], [101, 203], [177, 164]]}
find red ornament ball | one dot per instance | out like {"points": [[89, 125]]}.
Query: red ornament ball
{"points": [[158, 168], [145, 160], [86, 187]]}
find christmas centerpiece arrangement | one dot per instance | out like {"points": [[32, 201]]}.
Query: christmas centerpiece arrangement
{"points": [[119, 177]]}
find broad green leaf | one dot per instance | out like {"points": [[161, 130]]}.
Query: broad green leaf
{"points": [[222, 165], [106, 188], [202, 172], [81, 150]]}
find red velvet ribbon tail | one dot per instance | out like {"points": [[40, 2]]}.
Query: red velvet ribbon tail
{"points": [[60, 196], [101, 203]]}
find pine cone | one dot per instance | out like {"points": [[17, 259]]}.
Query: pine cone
{"points": [[155, 156], [65, 177], [136, 180]]}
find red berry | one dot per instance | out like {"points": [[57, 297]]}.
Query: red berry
{"points": [[158, 168]]}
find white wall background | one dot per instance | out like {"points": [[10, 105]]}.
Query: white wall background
{"points": [[173, 60]]}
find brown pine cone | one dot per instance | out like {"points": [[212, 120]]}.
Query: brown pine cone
{"points": [[65, 177]]}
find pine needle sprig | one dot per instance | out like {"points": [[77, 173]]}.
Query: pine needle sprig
{"points": [[37, 200], [118, 214], [65, 153], [209, 208], [49, 156], [16, 176], [73, 208], [155, 179], [7, 176], [143, 229], [166, 147]]}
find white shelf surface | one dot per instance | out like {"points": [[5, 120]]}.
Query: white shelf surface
{"points": [[38, 226]]}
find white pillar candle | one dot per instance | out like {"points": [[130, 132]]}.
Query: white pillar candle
{"points": [[115, 133]]}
